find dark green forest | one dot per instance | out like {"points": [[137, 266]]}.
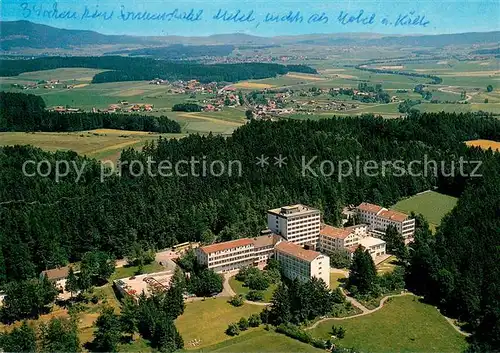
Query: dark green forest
{"points": [[140, 69], [178, 51], [26, 112], [45, 224], [436, 80]]}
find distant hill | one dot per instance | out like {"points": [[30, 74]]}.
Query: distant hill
{"points": [[25, 34], [178, 51]]}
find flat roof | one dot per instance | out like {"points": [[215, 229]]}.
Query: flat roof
{"points": [[370, 241], [294, 210], [297, 251], [226, 245]]}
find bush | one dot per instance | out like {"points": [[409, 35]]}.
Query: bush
{"points": [[237, 300], [243, 324], [294, 332], [255, 295], [233, 330], [338, 332], [254, 320], [257, 281]]}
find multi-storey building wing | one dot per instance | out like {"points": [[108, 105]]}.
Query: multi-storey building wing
{"points": [[297, 223], [227, 256], [333, 238], [349, 238], [264, 247], [297, 262], [379, 218]]}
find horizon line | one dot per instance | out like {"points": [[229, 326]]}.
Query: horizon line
{"points": [[253, 35]]}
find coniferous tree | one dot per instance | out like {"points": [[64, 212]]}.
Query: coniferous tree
{"points": [[280, 311], [128, 316], [108, 331], [72, 283], [362, 273], [395, 243], [59, 335], [20, 339]]}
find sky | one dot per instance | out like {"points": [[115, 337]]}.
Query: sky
{"points": [[260, 17]]}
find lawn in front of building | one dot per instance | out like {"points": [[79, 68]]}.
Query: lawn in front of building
{"points": [[335, 279], [404, 324], [239, 288], [206, 320]]}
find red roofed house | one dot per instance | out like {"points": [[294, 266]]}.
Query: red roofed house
{"points": [[379, 218], [227, 256], [297, 262], [332, 238]]}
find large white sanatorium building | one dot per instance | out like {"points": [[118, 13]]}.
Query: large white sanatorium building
{"points": [[298, 224]]}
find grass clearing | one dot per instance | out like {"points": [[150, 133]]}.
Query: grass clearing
{"points": [[101, 144], [207, 320], [404, 324], [387, 265], [260, 341], [334, 279], [129, 271], [432, 205], [239, 288]]}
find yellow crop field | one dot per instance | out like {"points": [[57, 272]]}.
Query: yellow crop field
{"points": [[484, 144], [306, 77], [253, 85]]}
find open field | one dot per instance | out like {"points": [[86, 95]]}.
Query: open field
{"points": [[239, 288], [260, 341], [432, 205], [251, 85], [305, 77], [207, 320], [404, 324], [102, 144], [484, 144]]}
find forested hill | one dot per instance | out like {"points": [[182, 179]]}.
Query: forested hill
{"points": [[45, 224], [26, 34], [138, 69], [26, 112]]}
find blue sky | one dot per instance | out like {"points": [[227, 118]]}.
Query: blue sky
{"points": [[441, 16]]}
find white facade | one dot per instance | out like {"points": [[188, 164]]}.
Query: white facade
{"points": [[375, 246], [298, 224], [235, 254], [379, 218], [227, 256], [349, 238], [303, 264], [332, 238]]}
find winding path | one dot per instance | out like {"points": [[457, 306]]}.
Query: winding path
{"points": [[228, 291], [365, 311]]}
